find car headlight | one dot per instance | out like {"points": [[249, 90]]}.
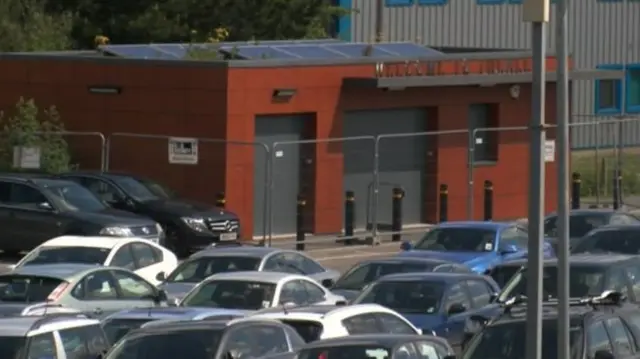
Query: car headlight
{"points": [[116, 232], [197, 224], [160, 230]]}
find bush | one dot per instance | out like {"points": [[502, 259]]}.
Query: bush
{"points": [[598, 179], [29, 127]]}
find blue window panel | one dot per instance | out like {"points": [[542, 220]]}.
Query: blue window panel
{"points": [[137, 52], [407, 49], [310, 52], [256, 52], [632, 90], [490, 2], [344, 22], [607, 93], [432, 2], [398, 2], [358, 50]]}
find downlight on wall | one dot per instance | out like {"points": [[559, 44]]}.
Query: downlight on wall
{"points": [[105, 90]]}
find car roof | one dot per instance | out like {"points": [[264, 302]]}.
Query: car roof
{"points": [[248, 251], [172, 313], [253, 276], [428, 276], [172, 326], [90, 242], [407, 260], [475, 224], [617, 227], [387, 340], [600, 259], [61, 271], [588, 211], [42, 179], [19, 326], [316, 312], [109, 174]]}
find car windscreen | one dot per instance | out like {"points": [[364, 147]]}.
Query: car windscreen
{"points": [[197, 269], [79, 254], [614, 241], [135, 188], [458, 240], [27, 289], [115, 329], [502, 274], [406, 297], [346, 351], [231, 294], [188, 343], [309, 330], [358, 277], [12, 347], [508, 340], [70, 196], [584, 280]]}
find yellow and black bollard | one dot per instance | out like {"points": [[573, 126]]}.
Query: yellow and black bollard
{"points": [[576, 182], [301, 205], [488, 200], [396, 214], [221, 200], [444, 203], [349, 217]]}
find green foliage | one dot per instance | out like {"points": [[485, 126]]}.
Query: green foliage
{"points": [[598, 179], [28, 126], [26, 26]]}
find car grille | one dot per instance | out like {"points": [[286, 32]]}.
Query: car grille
{"points": [[145, 231], [222, 225]]}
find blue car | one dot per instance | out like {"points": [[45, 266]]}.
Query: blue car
{"points": [[430, 299], [478, 245]]}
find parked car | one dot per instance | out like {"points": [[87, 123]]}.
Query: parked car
{"points": [[92, 289], [145, 258], [319, 322], [30, 309], [189, 226], [360, 275], [428, 300], [208, 339], [216, 260], [623, 239], [36, 208], [478, 245], [583, 221], [254, 290]]}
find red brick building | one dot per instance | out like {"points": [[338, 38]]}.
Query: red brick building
{"points": [[299, 101]]}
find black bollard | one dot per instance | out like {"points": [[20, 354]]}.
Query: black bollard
{"points": [[617, 182], [488, 200], [396, 214], [302, 203], [221, 200], [575, 190], [444, 203], [349, 216]]}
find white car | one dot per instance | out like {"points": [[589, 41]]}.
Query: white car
{"points": [[146, 258], [324, 322], [253, 290]]}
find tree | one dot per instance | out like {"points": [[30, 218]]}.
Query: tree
{"points": [[26, 26], [30, 127]]}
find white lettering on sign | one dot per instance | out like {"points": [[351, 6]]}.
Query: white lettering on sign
{"points": [[549, 150], [183, 151]]}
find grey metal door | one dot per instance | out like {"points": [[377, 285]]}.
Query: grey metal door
{"points": [[285, 171], [402, 162]]}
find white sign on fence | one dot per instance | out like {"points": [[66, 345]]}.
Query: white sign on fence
{"points": [[26, 157], [183, 151], [549, 150]]}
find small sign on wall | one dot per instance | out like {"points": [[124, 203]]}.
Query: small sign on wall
{"points": [[549, 150], [26, 157], [183, 151]]}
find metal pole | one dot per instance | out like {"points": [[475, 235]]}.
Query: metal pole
{"points": [[536, 12], [562, 119], [623, 94]]}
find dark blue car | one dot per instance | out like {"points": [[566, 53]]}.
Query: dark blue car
{"points": [[429, 300], [478, 245]]}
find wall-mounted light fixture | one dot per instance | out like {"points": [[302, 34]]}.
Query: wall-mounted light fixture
{"points": [[105, 90], [283, 94]]}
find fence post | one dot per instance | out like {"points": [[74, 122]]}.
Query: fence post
{"points": [[575, 191], [616, 192], [302, 203], [349, 216], [396, 214], [488, 200], [444, 203], [221, 200]]}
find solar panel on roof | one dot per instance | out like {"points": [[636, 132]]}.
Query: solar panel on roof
{"points": [[138, 52], [358, 50], [311, 52], [177, 50], [257, 52], [407, 49]]}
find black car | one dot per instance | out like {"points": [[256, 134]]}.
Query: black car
{"points": [[600, 327], [188, 226], [623, 239], [36, 208], [208, 339]]}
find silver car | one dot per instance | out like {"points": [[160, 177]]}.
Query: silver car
{"points": [[231, 259], [92, 289]]}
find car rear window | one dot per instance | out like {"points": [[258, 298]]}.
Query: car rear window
{"points": [[27, 289], [52, 255], [309, 330]]}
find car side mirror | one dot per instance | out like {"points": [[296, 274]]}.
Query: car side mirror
{"points": [[327, 283], [508, 249], [603, 354], [45, 206], [456, 308], [161, 296], [406, 246], [493, 297], [161, 276]]}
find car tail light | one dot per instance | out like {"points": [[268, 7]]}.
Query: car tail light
{"points": [[56, 293]]}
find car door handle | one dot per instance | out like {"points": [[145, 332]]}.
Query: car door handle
{"points": [[97, 311]]}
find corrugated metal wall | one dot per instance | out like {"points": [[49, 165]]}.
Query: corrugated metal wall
{"points": [[596, 30]]}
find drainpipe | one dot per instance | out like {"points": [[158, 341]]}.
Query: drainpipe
{"points": [[379, 20]]}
